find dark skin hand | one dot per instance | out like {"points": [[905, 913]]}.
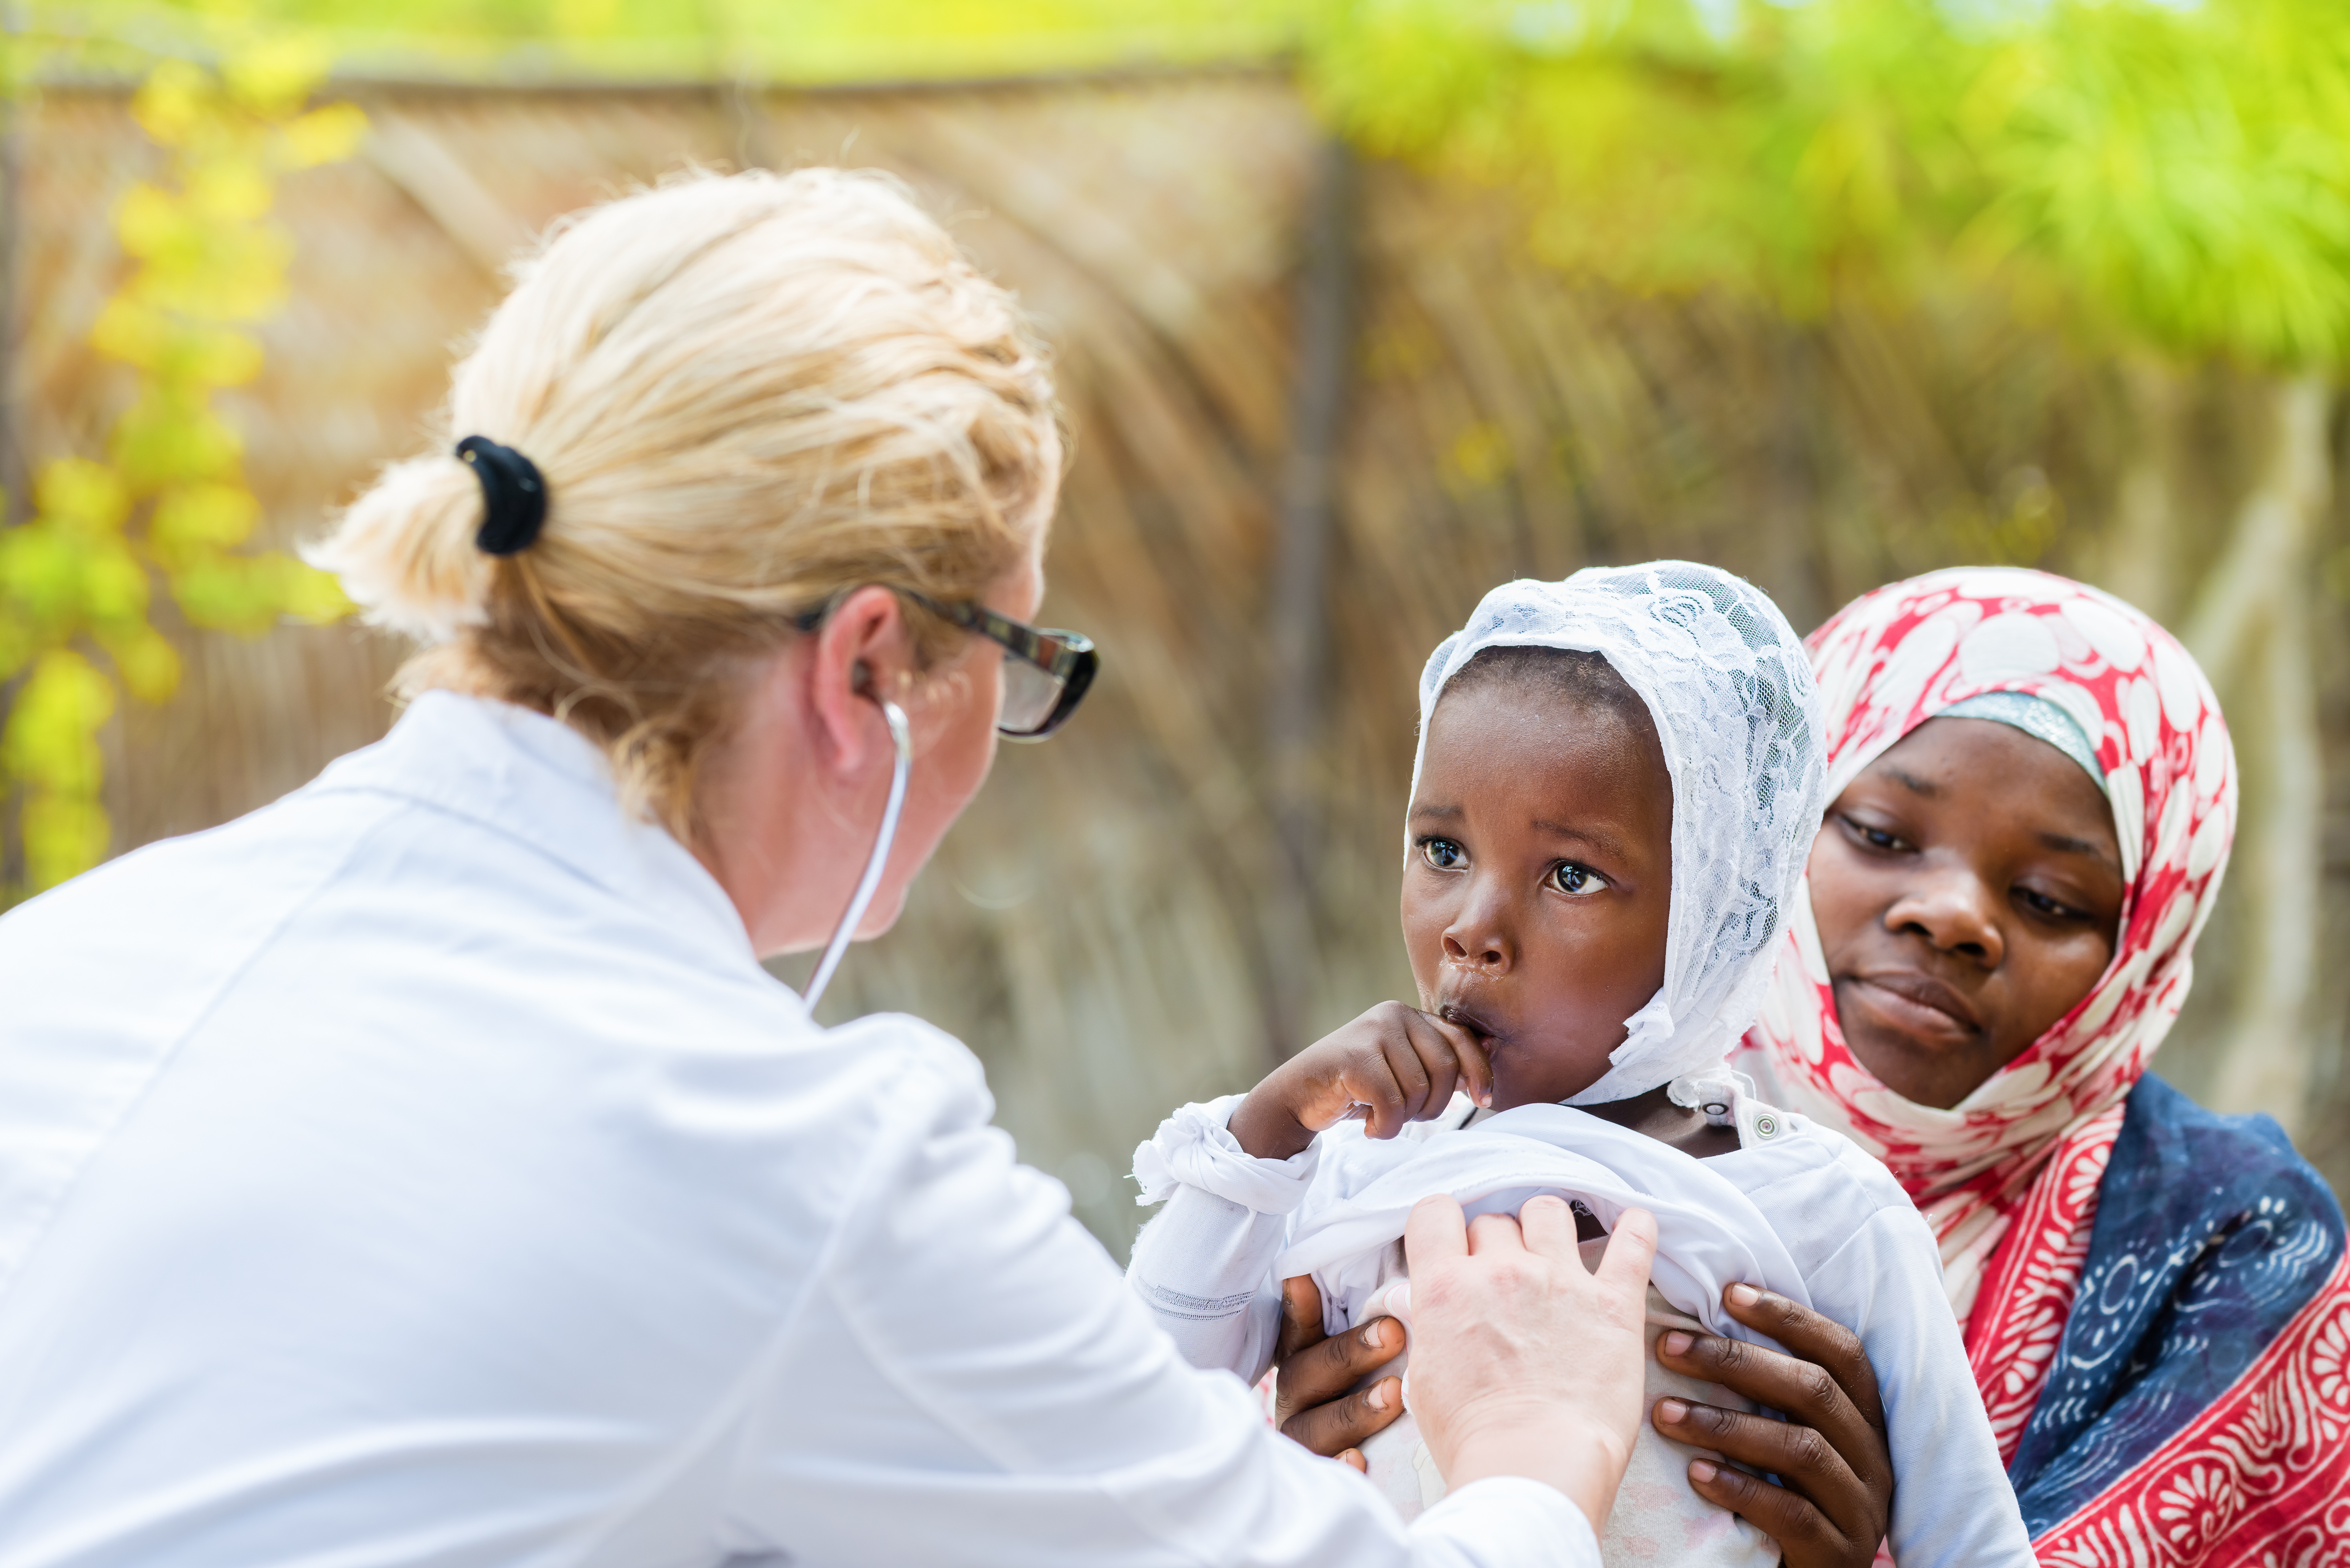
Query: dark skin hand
{"points": [[1313, 1373], [1830, 1454], [1968, 888]]}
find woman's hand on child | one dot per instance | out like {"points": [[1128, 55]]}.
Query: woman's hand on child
{"points": [[1524, 1362], [1392, 1066], [1830, 1453], [1314, 1371]]}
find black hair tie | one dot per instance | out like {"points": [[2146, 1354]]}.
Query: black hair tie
{"points": [[514, 497]]}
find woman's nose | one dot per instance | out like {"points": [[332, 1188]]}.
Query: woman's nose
{"points": [[1955, 911]]}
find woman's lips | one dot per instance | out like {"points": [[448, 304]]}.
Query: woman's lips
{"points": [[1918, 1003]]}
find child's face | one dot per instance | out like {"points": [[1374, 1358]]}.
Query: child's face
{"points": [[1537, 878]]}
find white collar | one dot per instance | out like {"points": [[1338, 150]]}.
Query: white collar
{"points": [[544, 784]]}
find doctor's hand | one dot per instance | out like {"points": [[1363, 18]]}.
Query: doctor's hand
{"points": [[1392, 1066], [1830, 1454], [1523, 1363]]}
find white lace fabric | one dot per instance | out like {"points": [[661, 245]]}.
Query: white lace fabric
{"points": [[1727, 682]]}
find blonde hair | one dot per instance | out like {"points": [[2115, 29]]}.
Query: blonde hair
{"points": [[748, 396]]}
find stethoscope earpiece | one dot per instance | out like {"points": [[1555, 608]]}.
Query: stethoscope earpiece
{"points": [[860, 680]]}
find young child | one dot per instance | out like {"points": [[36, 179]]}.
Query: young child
{"points": [[1619, 781]]}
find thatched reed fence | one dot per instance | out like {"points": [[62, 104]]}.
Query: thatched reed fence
{"points": [[1203, 872]]}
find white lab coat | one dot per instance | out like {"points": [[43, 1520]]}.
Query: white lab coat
{"points": [[422, 1170]]}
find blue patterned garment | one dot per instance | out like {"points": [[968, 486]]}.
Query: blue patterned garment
{"points": [[2211, 1236]]}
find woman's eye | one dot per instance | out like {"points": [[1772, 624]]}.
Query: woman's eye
{"points": [[1874, 837], [1443, 854], [1576, 880], [2042, 904]]}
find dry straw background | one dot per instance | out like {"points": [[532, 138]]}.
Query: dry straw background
{"points": [[1118, 926]]}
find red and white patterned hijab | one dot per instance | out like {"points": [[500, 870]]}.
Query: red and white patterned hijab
{"points": [[1886, 663]]}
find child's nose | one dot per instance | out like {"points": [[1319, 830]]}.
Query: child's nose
{"points": [[1484, 949]]}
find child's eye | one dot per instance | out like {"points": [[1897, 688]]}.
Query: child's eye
{"points": [[1574, 880], [1443, 854]]}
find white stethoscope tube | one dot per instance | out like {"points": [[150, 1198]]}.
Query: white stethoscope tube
{"points": [[841, 936]]}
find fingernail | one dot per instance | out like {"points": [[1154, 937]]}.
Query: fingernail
{"points": [[1376, 1335], [1702, 1471], [1380, 1395], [1671, 1411], [1675, 1344], [1744, 1295]]}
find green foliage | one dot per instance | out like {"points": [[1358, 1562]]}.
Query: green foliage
{"points": [[170, 503], [798, 41], [2187, 171], [1788, 154], [2179, 176]]}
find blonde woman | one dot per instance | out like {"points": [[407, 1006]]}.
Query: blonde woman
{"points": [[423, 1170]]}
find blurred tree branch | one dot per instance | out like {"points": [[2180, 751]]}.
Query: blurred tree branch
{"points": [[168, 502]]}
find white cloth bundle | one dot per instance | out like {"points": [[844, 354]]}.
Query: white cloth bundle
{"points": [[1195, 1148], [1726, 680], [1710, 1234]]}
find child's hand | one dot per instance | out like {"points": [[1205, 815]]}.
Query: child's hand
{"points": [[1392, 1066]]}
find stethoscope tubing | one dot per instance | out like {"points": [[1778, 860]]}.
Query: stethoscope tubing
{"points": [[847, 930]]}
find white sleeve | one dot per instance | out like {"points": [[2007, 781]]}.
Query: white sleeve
{"points": [[1204, 1265], [1952, 1505], [1204, 1269], [969, 1380]]}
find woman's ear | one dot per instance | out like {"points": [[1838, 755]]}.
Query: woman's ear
{"points": [[863, 651]]}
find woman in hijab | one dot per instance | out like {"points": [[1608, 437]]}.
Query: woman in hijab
{"points": [[2034, 799]]}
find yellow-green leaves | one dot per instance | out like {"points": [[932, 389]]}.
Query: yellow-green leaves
{"points": [[797, 41], [2187, 171], [50, 747], [170, 503], [2178, 175], [325, 135]]}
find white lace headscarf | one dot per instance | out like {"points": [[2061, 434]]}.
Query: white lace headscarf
{"points": [[1727, 681]]}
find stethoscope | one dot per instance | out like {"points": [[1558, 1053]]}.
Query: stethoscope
{"points": [[847, 930]]}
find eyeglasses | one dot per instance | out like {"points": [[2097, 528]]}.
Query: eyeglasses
{"points": [[1046, 671]]}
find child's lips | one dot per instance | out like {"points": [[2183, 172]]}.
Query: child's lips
{"points": [[1488, 1045], [1453, 1013]]}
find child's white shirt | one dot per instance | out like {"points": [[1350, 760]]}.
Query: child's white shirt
{"points": [[1796, 1208]]}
